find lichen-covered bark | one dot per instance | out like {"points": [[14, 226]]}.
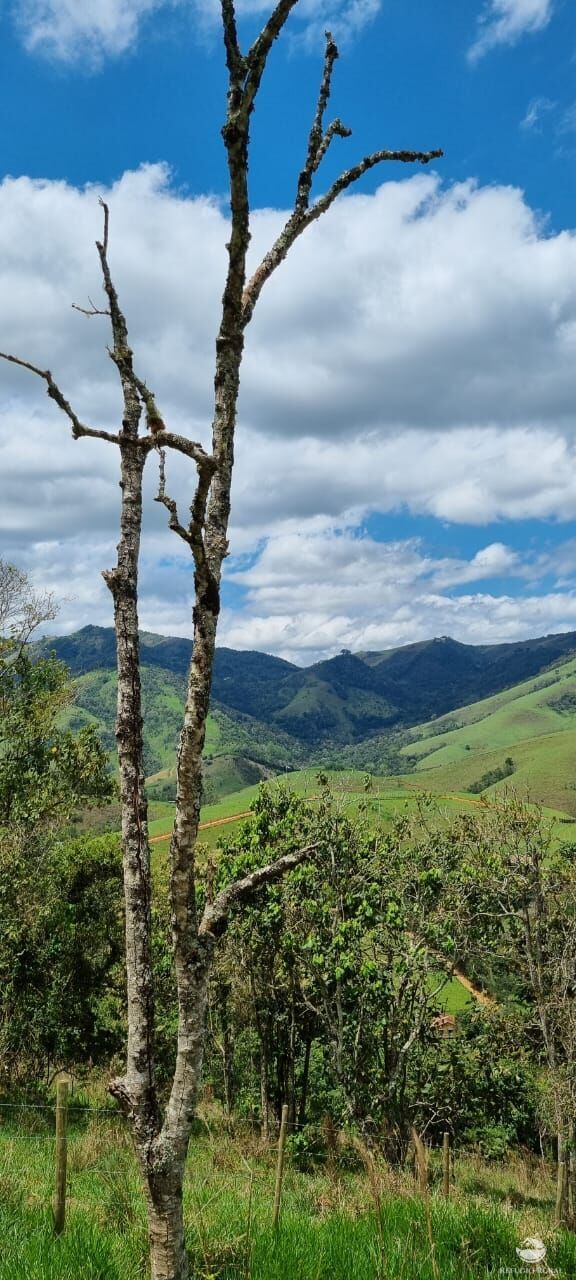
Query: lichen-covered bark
{"points": [[168, 1258], [137, 1088], [209, 527]]}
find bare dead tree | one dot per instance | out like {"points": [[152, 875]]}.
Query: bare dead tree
{"points": [[161, 1137]]}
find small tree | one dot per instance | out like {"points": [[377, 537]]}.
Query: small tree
{"points": [[58, 897], [336, 957], [162, 1137], [514, 896]]}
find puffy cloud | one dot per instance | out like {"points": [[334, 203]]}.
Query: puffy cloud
{"points": [[375, 595], [506, 21], [474, 619], [416, 353], [89, 31], [92, 30], [412, 297], [466, 476]]}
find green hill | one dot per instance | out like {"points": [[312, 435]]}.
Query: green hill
{"points": [[532, 725], [239, 749], [353, 710]]}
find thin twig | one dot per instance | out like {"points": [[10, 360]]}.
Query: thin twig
{"points": [[166, 501], [53, 390], [92, 310]]}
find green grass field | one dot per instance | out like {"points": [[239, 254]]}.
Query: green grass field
{"points": [[337, 1225], [387, 799], [533, 723]]}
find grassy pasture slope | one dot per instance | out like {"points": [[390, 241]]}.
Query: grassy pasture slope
{"points": [[534, 723], [329, 1229]]}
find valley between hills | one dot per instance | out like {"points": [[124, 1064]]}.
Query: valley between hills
{"points": [[436, 715]]}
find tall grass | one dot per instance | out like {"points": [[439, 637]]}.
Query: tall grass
{"points": [[335, 1225]]}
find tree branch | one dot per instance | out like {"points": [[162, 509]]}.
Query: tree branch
{"points": [[169, 503], [318, 141], [135, 392], [90, 311], [53, 390], [181, 444], [298, 222], [235, 62], [303, 214], [258, 55], [117, 317], [215, 918]]}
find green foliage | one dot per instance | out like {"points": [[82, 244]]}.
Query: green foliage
{"points": [[60, 901], [327, 966], [45, 773], [529, 722], [481, 1084], [61, 948]]}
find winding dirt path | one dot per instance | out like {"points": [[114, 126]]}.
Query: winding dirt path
{"points": [[204, 826]]}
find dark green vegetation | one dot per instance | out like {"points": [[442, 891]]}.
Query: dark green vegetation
{"points": [[60, 921], [351, 711], [327, 996], [45, 771]]}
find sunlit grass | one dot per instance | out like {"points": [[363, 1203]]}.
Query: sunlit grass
{"points": [[334, 1226]]}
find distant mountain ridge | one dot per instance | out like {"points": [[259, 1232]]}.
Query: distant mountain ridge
{"points": [[269, 711]]}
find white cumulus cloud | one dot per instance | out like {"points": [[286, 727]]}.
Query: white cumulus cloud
{"points": [[71, 30], [312, 591], [506, 21], [89, 31], [415, 354]]}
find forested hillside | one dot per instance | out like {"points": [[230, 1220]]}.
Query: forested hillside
{"points": [[267, 714]]}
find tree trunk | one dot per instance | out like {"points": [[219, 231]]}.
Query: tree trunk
{"points": [[168, 1256], [304, 1085], [136, 1091], [264, 1093]]}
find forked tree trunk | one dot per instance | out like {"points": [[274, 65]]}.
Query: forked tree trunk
{"points": [[162, 1144]]}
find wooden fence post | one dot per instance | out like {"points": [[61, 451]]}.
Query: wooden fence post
{"points": [[280, 1164], [446, 1164], [61, 1155], [561, 1182], [421, 1163]]}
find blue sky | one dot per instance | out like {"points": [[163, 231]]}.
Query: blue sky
{"points": [[409, 402], [404, 81]]}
